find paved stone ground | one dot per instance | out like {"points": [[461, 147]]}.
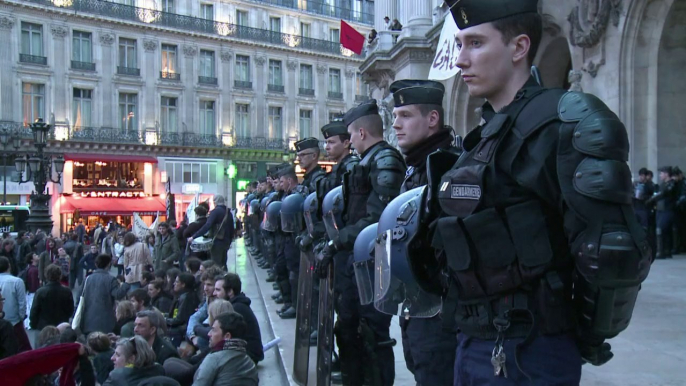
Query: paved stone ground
{"points": [[649, 352]]}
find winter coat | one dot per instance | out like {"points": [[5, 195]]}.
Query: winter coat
{"points": [[226, 368], [162, 302], [241, 304], [166, 251], [131, 376], [46, 258], [99, 292], [53, 304], [184, 306], [136, 260]]}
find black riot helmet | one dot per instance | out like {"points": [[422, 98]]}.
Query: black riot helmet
{"points": [[363, 263], [250, 197], [332, 211], [399, 266], [271, 221], [254, 207], [292, 213], [310, 208]]}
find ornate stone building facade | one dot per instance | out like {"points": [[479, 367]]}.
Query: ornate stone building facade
{"points": [[228, 81], [627, 52]]}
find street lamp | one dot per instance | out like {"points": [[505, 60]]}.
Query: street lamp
{"points": [[38, 168]]}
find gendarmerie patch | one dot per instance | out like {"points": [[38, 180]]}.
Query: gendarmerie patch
{"points": [[465, 192]]}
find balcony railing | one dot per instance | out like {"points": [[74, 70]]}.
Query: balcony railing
{"points": [[242, 84], [131, 71], [207, 80], [275, 88], [82, 66], [153, 17], [105, 134], [170, 75], [321, 8], [33, 59], [335, 95], [306, 91]]}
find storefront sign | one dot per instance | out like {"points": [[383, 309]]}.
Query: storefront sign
{"points": [[112, 194], [191, 188]]}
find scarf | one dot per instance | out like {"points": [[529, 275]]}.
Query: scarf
{"points": [[231, 344], [18, 369], [417, 155]]}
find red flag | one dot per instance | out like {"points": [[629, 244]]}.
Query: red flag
{"points": [[351, 39]]}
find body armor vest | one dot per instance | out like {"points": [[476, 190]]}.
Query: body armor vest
{"points": [[501, 242]]}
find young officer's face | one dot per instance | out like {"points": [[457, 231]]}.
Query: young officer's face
{"points": [[486, 62], [410, 126]]}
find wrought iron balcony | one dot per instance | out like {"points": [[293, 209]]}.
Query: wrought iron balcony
{"points": [[153, 17], [131, 71], [275, 88], [361, 98], [170, 75], [207, 80], [105, 135], [33, 59], [306, 91], [260, 143], [335, 95], [82, 66], [242, 84], [321, 8]]}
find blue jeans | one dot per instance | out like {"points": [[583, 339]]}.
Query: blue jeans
{"points": [[548, 360]]}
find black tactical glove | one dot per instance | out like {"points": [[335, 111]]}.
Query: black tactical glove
{"points": [[325, 259], [594, 351], [304, 242]]}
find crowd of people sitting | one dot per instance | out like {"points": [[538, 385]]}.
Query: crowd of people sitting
{"points": [[165, 318]]}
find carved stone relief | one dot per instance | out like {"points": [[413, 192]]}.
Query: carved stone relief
{"points": [[6, 22], [149, 45], [106, 39], [589, 21], [292, 65], [349, 73], [58, 31], [574, 79], [321, 68], [260, 60], [226, 56], [190, 51]]}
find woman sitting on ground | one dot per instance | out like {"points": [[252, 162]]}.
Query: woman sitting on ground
{"points": [[134, 362]]}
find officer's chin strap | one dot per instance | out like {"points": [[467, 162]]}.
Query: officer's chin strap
{"points": [[503, 321]]}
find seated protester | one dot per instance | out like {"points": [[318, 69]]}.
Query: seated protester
{"points": [[161, 274], [126, 315], [48, 336], [229, 288], [207, 279], [87, 262], [183, 369], [140, 300], [134, 362], [193, 267], [8, 341], [172, 274], [148, 325], [159, 298], [146, 278], [53, 303], [184, 306], [101, 348], [228, 363]]}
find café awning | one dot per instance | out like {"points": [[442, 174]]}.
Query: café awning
{"points": [[108, 206], [109, 158]]}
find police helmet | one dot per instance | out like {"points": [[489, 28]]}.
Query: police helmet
{"points": [[363, 263], [310, 208], [292, 213], [332, 210], [271, 221]]}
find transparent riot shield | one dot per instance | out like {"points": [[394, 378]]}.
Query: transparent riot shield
{"points": [[301, 355]]}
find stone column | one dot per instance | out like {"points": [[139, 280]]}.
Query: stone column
{"points": [[146, 99], [192, 104], [291, 105], [349, 88], [383, 8], [322, 92], [225, 84], [417, 16], [262, 109], [7, 77], [61, 62], [107, 65]]}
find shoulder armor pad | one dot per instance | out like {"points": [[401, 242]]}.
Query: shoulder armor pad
{"points": [[389, 159], [574, 106], [601, 134], [606, 180], [540, 111]]}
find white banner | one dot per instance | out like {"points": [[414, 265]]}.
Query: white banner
{"points": [[141, 229], [444, 65], [190, 211]]}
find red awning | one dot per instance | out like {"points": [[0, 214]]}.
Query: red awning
{"points": [[107, 206], [108, 158]]}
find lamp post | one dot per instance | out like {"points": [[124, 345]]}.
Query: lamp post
{"points": [[38, 168], [5, 137]]}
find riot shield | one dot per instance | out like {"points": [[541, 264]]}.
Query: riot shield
{"points": [[301, 355], [325, 337]]}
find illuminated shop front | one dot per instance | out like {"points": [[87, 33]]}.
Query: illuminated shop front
{"points": [[109, 188]]}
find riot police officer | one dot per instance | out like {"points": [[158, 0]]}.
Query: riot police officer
{"points": [[362, 332], [665, 201], [308, 156], [429, 350], [529, 236], [291, 253], [643, 190]]}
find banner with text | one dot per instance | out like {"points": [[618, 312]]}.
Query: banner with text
{"points": [[141, 229], [190, 211], [444, 65]]}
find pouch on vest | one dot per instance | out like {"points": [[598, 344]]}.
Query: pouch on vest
{"points": [[453, 241]]}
